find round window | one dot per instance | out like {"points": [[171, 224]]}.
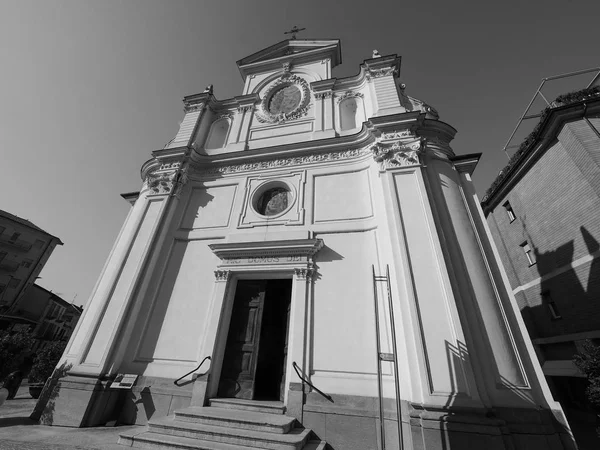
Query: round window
{"points": [[273, 201], [285, 100]]}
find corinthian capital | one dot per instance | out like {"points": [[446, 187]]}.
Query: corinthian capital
{"points": [[398, 149]]}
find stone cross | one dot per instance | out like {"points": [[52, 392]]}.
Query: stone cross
{"points": [[294, 31]]}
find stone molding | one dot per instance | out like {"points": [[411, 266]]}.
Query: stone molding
{"points": [[286, 162], [295, 247]]}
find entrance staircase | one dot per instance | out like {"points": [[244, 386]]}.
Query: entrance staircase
{"points": [[227, 424]]}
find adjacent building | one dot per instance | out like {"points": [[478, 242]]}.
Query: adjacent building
{"points": [[24, 250], [310, 251], [48, 316], [544, 215]]}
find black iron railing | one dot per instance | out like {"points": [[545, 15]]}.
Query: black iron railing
{"points": [[304, 380], [191, 371]]}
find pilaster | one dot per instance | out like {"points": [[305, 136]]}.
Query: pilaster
{"points": [[444, 375], [324, 111], [95, 351]]}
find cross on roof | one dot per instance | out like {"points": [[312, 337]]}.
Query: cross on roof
{"points": [[294, 31]]}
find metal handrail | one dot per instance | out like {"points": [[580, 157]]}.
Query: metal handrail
{"points": [[296, 367], [191, 371]]}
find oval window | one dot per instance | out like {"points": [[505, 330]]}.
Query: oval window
{"points": [[273, 201]]}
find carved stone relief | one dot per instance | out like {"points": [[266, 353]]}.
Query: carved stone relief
{"points": [[286, 162], [397, 149], [378, 73], [349, 94], [168, 179], [264, 113], [304, 273]]}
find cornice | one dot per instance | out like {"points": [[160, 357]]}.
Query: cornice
{"points": [[466, 163], [331, 51], [298, 149], [556, 118], [294, 247]]}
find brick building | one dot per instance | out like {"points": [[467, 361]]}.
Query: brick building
{"points": [[543, 212], [24, 250]]}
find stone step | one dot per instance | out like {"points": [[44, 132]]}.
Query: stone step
{"points": [[315, 445], [155, 441], [149, 440], [294, 440], [248, 420], [272, 407]]}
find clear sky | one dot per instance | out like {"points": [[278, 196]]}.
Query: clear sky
{"points": [[89, 88]]}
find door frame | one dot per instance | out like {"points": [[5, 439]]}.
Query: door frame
{"points": [[297, 333], [259, 260]]}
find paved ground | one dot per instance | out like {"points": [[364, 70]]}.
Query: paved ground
{"points": [[18, 432]]}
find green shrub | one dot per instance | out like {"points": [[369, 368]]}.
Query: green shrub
{"points": [[14, 348], [45, 362], [588, 362]]}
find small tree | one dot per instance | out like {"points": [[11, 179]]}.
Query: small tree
{"points": [[45, 362], [14, 348], [588, 362]]}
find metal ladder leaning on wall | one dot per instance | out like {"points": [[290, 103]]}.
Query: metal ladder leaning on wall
{"points": [[391, 357]]}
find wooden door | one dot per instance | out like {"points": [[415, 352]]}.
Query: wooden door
{"points": [[243, 340]]}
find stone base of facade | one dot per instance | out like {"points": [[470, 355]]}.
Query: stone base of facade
{"points": [[153, 397], [352, 422], [81, 401], [78, 401]]}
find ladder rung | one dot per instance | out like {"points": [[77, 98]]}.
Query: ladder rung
{"points": [[386, 357]]}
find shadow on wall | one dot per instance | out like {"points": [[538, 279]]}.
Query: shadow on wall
{"points": [[564, 300], [566, 306], [44, 408]]}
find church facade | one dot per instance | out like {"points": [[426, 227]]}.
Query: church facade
{"points": [[318, 246]]}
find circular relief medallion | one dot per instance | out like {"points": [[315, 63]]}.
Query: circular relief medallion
{"points": [[273, 201], [285, 100]]}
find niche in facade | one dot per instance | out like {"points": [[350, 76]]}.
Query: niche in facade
{"points": [[218, 134], [350, 113]]}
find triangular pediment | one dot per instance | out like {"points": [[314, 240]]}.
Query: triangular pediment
{"points": [[292, 50]]}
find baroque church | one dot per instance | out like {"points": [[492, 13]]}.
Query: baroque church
{"points": [[307, 266]]}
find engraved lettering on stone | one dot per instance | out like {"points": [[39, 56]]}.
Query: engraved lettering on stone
{"points": [[285, 162]]}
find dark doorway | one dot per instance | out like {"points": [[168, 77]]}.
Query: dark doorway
{"points": [[256, 349]]}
